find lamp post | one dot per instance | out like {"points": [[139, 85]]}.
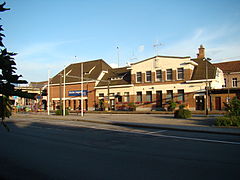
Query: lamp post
{"points": [[206, 66], [48, 95], [82, 89]]}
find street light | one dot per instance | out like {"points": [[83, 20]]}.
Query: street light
{"points": [[206, 66]]}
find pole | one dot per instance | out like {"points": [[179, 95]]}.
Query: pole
{"points": [[228, 86], [206, 104], [60, 90], [64, 91], [82, 89], [109, 108], [48, 97], [118, 55]]}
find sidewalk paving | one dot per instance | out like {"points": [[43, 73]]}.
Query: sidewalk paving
{"points": [[198, 123]]}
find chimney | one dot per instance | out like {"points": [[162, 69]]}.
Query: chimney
{"points": [[201, 53]]}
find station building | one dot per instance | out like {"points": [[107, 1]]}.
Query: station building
{"points": [[149, 84]]}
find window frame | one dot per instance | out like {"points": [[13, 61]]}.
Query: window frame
{"points": [[167, 79], [137, 76], [161, 75], [234, 82], [148, 76], [178, 73]]}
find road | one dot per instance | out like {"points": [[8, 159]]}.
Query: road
{"points": [[58, 149]]}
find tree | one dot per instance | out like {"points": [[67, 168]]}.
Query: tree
{"points": [[8, 78]]}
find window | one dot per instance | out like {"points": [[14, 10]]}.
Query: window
{"points": [[181, 95], [126, 97], [169, 74], [101, 94], [225, 83], [169, 95], [159, 75], [148, 76], [149, 96], [234, 82], [119, 97], [180, 73], [139, 96], [139, 77]]}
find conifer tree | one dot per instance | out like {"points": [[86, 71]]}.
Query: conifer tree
{"points": [[8, 77]]}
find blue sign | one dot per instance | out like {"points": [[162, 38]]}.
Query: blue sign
{"points": [[77, 93]]}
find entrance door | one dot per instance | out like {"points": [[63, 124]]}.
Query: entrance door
{"points": [[200, 103], [158, 99], [86, 104], [218, 103]]}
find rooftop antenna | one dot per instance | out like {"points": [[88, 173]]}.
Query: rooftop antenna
{"points": [[156, 47], [133, 56], [118, 55]]}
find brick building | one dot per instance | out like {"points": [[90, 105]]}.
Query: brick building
{"points": [[231, 86], [149, 84]]}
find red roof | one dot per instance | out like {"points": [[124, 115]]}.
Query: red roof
{"points": [[230, 66]]}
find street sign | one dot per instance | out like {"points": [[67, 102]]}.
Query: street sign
{"points": [[77, 93]]}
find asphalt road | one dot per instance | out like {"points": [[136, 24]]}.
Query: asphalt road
{"points": [[34, 149]]}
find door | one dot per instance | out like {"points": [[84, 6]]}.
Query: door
{"points": [[200, 103], [218, 103], [159, 99]]}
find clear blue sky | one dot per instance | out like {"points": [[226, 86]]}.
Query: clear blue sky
{"points": [[48, 34]]}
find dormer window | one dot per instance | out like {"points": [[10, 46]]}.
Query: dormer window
{"points": [[180, 73]]}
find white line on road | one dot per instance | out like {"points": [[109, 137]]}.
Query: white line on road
{"points": [[153, 133]]}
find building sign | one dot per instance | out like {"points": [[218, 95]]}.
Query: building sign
{"points": [[77, 93]]}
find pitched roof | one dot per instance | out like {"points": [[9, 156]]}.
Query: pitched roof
{"points": [[230, 66], [160, 57], [199, 71], [117, 76], [91, 70]]}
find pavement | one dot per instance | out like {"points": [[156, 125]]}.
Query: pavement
{"points": [[198, 123]]}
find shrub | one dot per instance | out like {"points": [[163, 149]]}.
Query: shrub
{"points": [[228, 121], [233, 107], [132, 106], [182, 113], [60, 112], [171, 105], [233, 114]]}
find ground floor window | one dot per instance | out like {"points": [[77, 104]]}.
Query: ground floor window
{"points": [[139, 97], [126, 97], [169, 95], [149, 96], [181, 95]]}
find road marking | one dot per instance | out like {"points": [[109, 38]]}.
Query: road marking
{"points": [[154, 132], [147, 133]]}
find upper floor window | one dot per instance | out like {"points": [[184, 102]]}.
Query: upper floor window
{"points": [[169, 74], [225, 83], [139, 77], [159, 75], [180, 74], [148, 76], [234, 82]]}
